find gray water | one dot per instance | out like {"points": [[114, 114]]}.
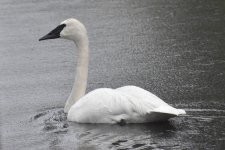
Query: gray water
{"points": [[175, 49]]}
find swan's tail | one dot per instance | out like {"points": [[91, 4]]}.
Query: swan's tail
{"points": [[181, 112], [169, 110], [164, 113]]}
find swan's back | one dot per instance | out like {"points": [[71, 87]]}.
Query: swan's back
{"points": [[130, 104], [142, 95]]}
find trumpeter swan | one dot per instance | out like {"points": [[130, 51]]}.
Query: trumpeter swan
{"points": [[128, 104]]}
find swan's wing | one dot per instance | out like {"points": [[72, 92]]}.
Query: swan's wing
{"points": [[109, 106], [101, 106]]}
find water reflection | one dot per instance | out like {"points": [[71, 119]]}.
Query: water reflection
{"points": [[127, 136]]}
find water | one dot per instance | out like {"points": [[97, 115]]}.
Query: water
{"points": [[175, 49]]}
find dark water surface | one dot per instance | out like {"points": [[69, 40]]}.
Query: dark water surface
{"points": [[175, 49]]}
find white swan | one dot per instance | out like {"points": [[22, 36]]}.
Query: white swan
{"points": [[128, 104]]}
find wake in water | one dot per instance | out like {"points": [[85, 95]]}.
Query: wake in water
{"points": [[53, 120]]}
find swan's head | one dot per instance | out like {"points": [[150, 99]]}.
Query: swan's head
{"points": [[70, 29]]}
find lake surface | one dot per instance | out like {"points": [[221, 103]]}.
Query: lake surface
{"points": [[175, 49]]}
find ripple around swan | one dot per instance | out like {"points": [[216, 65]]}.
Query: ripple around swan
{"points": [[192, 131]]}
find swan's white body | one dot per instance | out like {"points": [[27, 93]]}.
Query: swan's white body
{"points": [[128, 104]]}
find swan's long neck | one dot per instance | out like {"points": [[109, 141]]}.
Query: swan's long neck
{"points": [[80, 83]]}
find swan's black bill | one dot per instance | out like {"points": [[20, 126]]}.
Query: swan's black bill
{"points": [[54, 33]]}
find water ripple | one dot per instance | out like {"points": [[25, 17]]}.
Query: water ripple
{"points": [[185, 132]]}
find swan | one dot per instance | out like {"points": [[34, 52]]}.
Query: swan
{"points": [[128, 104]]}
